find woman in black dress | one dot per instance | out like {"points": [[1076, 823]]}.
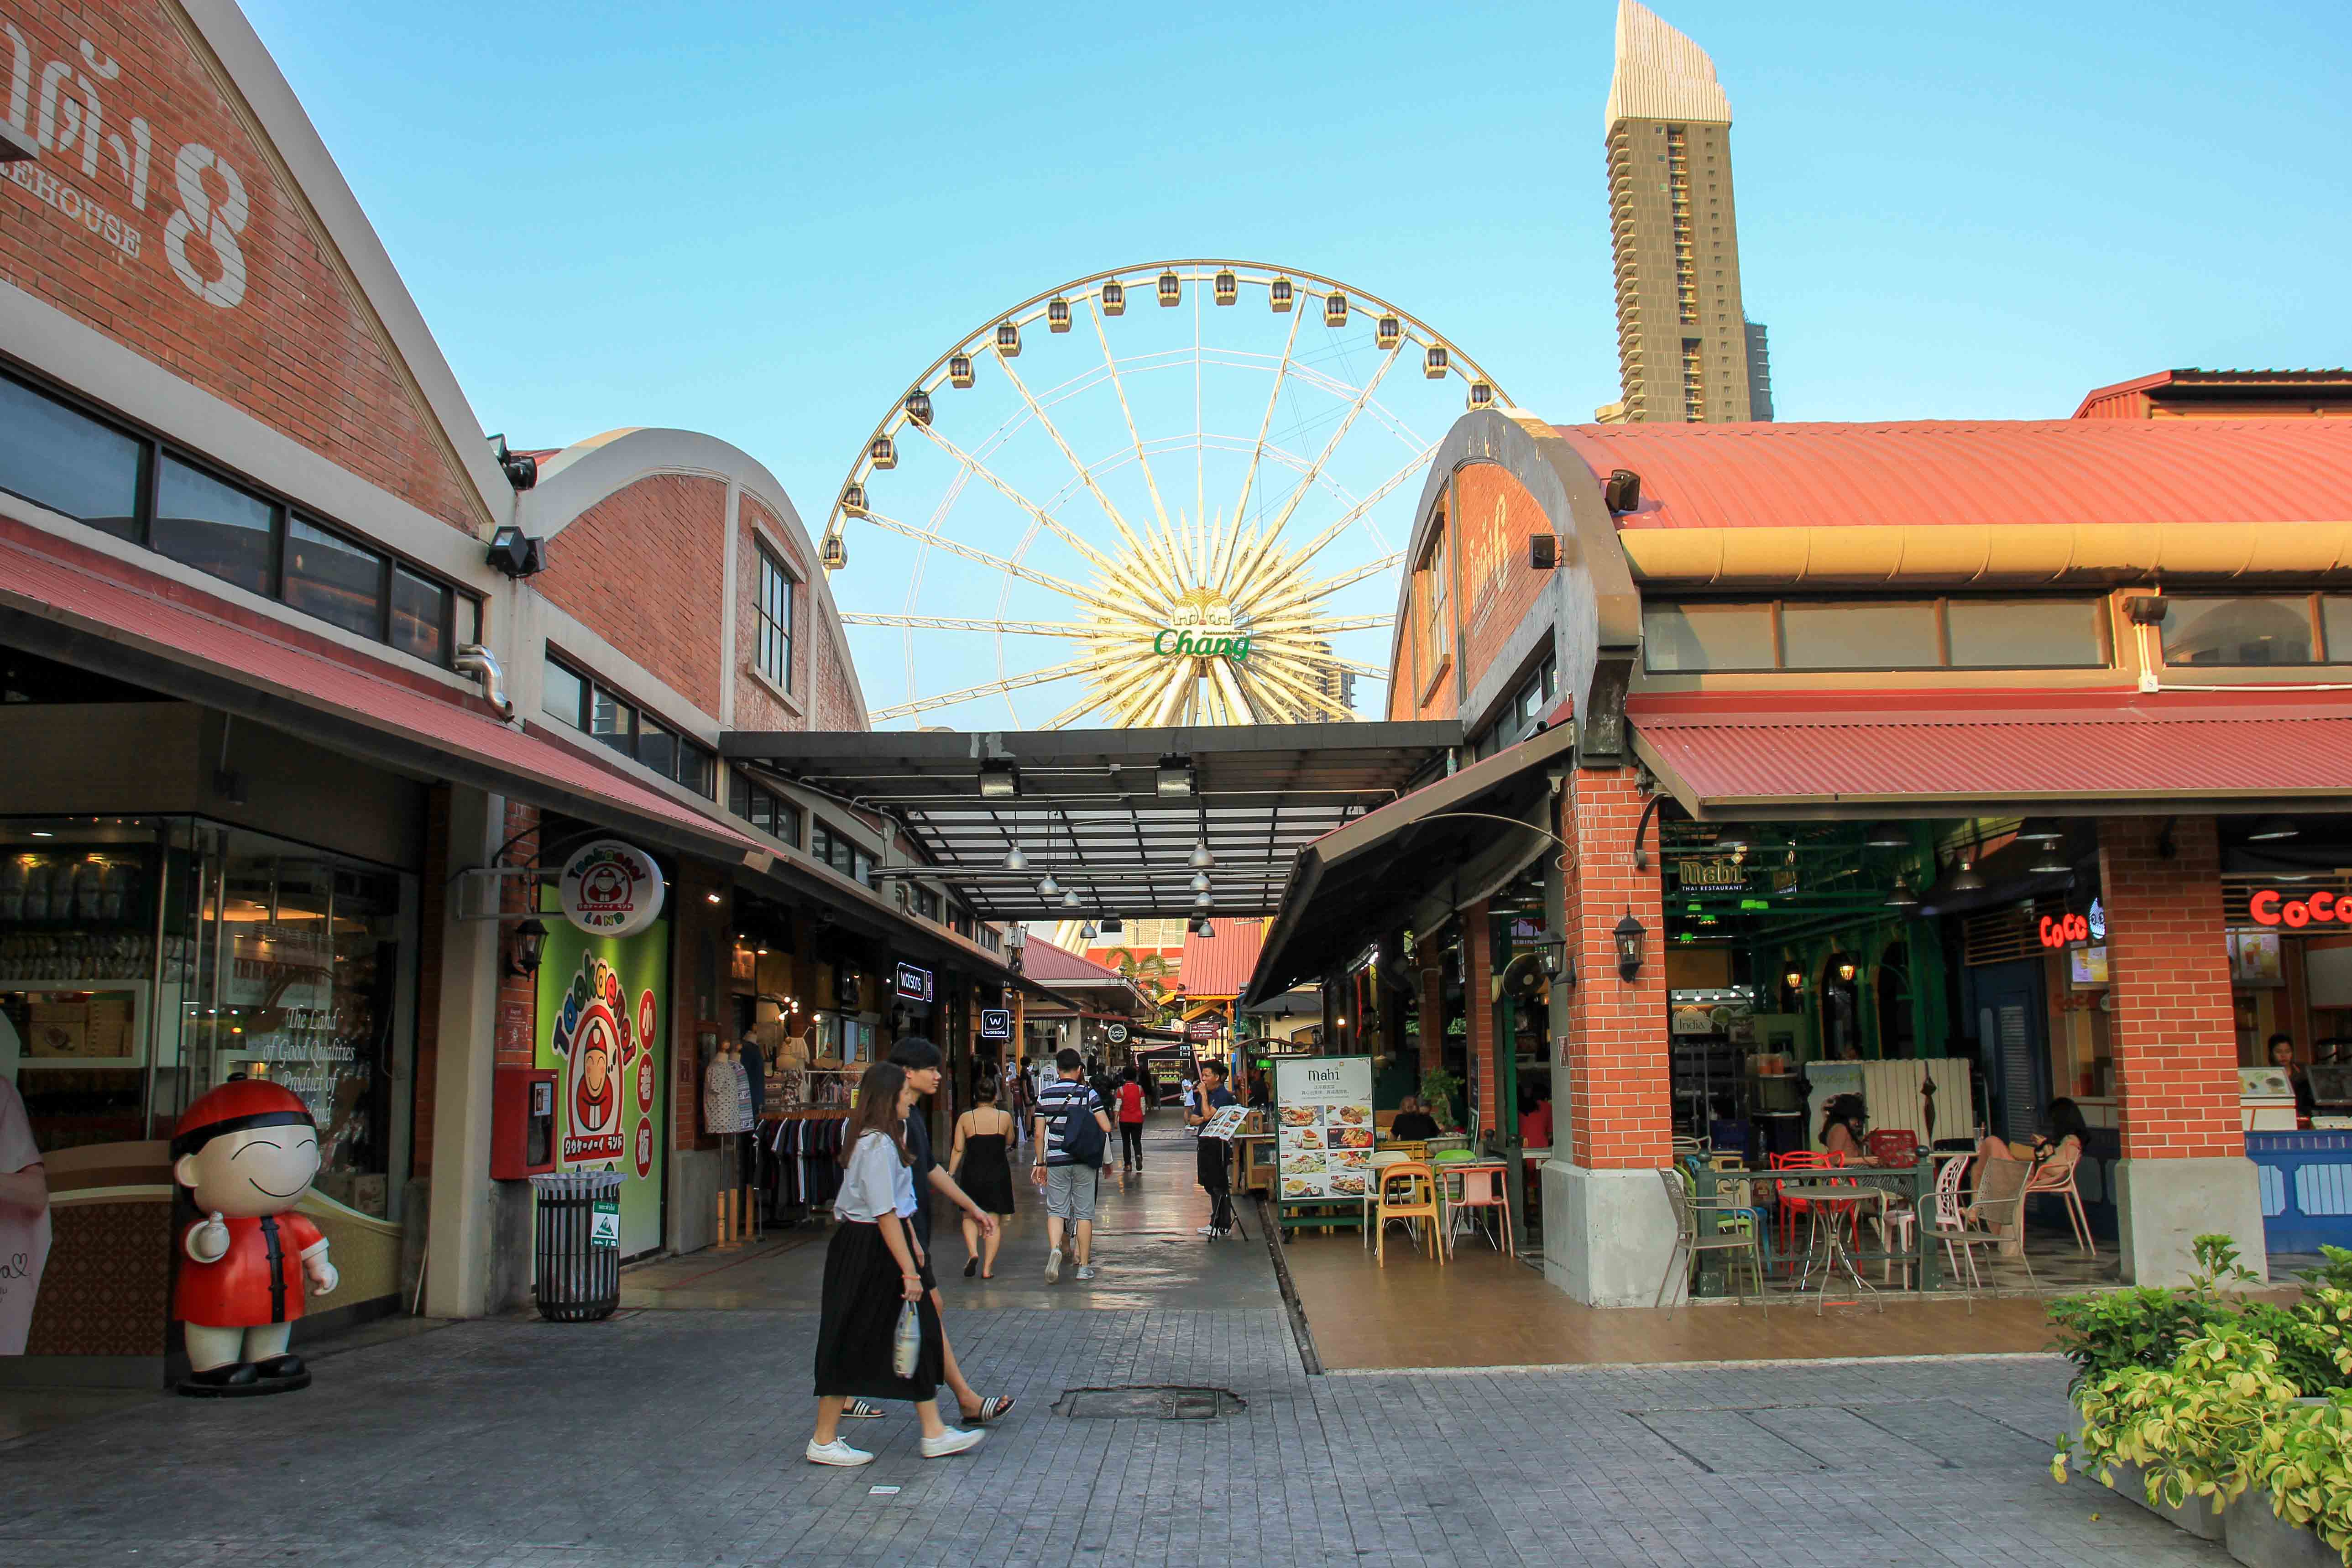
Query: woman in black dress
{"points": [[981, 1164], [873, 1268]]}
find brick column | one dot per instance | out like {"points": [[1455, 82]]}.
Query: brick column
{"points": [[2184, 1173], [1608, 1230], [1622, 1115], [1433, 1022], [1478, 1013]]}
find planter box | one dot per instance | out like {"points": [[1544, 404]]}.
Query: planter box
{"points": [[2197, 1515], [2260, 1539]]}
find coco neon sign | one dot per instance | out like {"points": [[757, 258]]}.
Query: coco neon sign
{"points": [[2272, 907], [2058, 930]]}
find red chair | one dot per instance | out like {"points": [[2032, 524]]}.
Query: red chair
{"points": [[1896, 1148], [1787, 1210]]}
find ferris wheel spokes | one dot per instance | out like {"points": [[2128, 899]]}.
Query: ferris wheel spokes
{"points": [[1110, 363], [1085, 475], [982, 558]]}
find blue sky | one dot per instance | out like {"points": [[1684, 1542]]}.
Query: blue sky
{"points": [[761, 221]]}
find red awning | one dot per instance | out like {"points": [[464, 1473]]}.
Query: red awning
{"points": [[1813, 754], [147, 629], [1220, 964]]}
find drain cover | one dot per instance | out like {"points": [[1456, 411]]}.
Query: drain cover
{"points": [[1149, 1403]]}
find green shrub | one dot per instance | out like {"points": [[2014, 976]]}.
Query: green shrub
{"points": [[2110, 1329], [2303, 1464], [2193, 1427]]}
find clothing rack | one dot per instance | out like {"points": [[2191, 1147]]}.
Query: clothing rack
{"points": [[803, 1171]]}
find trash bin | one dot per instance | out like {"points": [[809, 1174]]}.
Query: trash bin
{"points": [[577, 1258]]}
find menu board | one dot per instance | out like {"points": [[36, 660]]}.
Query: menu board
{"points": [[1323, 1128]]}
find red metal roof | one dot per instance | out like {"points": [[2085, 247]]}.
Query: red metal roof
{"points": [[1220, 965], [153, 614], [1041, 959], [2123, 400], [1979, 472], [1760, 750]]}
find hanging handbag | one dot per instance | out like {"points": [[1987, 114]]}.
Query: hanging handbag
{"points": [[906, 1345]]}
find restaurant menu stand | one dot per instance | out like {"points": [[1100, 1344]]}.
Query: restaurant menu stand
{"points": [[1323, 1141]]}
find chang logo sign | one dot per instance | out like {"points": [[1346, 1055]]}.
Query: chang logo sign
{"points": [[1183, 643]]}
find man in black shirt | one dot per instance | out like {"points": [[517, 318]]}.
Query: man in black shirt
{"points": [[1413, 1124], [1214, 1167], [922, 1060]]}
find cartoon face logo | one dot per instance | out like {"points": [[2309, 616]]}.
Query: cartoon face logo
{"points": [[595, 1098], [605, 887]]}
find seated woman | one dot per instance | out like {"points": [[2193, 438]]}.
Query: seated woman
{"points": [[1842, 1120], [2061, 1149]]}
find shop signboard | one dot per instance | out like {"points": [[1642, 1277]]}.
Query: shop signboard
{"points": [[995, 1024], [914, 985], [602, 1004], [1116, 1034], [1323, 1119], [610, 888], [1203, 1029]]}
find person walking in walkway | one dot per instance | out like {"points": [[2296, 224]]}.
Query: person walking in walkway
{"points": [[980, 1159], [1073, 1133], [1130, 1122], [920, 1060], [873, 1268], [1213, 1164]]}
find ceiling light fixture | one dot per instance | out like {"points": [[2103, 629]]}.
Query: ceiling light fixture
{"points": [[1176, 777], [1047, 887], [1070, 900], [1201, 860], [1886, 836], [999, 779], [2270, 829], [1200, 882], [1967, 879], [1014, 860], [1902, 896]]}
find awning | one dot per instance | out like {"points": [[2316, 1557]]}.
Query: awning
{"points": [[144, 630], [1447, 844], [1918, 754]]}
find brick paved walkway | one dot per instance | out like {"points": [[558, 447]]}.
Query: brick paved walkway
{"points": [[674, 1437]]}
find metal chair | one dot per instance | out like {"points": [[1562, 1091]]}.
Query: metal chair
{"points": [[2054, 1177], [1951, 1224], [1689, 1244], [1417, 1201]]}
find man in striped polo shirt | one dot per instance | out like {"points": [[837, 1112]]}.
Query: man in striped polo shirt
{"points": [[1069, 1167]]}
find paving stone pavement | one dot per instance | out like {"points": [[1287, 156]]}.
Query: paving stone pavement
{"points": [[675, 1437]]}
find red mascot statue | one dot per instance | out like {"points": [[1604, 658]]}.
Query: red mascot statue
{"points": [[248, 1152]]}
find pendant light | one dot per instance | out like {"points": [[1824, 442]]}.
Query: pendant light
{"points": [[1014, 860], [1047, 887], [1965, 879], [1902, 896], [1201, 860], [1070, 900], [2270, 829], [1087, 932], [1200, 882], [2040, 830], [2049, 860], [1886, 836]]}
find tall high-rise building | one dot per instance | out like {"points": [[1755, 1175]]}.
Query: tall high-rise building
{"points": [[1684, 347]]}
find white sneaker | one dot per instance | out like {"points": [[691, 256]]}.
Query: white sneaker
{"points": [[1054, 1267], [838, 1453], [1086, 1271], [1208, 1230], [950, 1442]]}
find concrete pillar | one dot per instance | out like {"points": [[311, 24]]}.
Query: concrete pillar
{"points": [[461, 1244], [1608, 1230], [2184, 1171]]}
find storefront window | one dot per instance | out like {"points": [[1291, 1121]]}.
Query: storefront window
{"points": [[420, 616], [2029, 633], [2237, 631], [58, 459], [1708, 637], [1860, 636], [329, 576], [214, 527]]}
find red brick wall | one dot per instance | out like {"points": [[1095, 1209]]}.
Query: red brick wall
{"points": [[1478, 1011], [1495, 517], [2173, 1032], [757, 706], [643, 568], [1621, 1111], [831, 706], [517, 1041], [280, 334]]}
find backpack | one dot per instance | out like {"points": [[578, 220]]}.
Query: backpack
{"points": [[1082, 1135]]}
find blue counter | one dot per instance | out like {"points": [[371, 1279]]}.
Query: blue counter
{"points": [[2306, 1183]]}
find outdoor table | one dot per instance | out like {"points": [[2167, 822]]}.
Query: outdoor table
{"points": [[1841, 1184]]}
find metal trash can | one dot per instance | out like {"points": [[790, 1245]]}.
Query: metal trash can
{"points": [[576, 1260]]}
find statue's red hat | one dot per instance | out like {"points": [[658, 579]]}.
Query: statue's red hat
{"points": [[235, 1106]]}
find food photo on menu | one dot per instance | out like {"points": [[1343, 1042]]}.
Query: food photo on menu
{"points": [[1302, 1137], [1300, 1116], [1350, 1186], [1300, 1187], [1351, 1137]]}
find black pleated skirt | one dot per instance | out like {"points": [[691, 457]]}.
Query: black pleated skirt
{"points": [[862, 1295]]}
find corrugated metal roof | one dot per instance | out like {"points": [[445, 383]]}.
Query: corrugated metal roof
{"points": [[1661, 74], [2058, 471], [1813, 748], [1220, 965], [1042, 960], [153, 617]]}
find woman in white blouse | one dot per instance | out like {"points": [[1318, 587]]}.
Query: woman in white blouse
{"points": [[873, 1269]]}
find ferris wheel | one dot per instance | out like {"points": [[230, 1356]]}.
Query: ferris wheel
{"points": [[1167, 494]]}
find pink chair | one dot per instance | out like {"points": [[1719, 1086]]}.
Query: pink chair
{"points": [[1482, 1188], [2055, 1178]]}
